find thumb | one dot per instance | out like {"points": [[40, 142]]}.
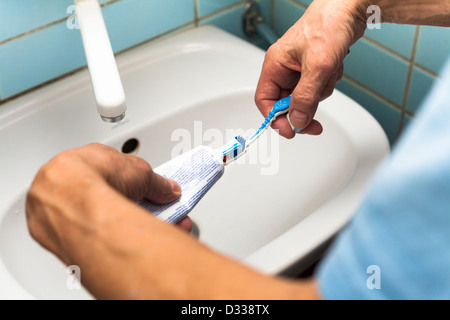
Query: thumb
{"points": [[162, 190], [306, 96]]}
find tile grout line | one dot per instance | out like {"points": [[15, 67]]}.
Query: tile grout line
{"points": [[272, 14], [408, 82], [33, 31], [212, 14], [425, 70], [299, 4], [371, 92], [197, 19], [195, 13], [388, 50], [49, 25]]}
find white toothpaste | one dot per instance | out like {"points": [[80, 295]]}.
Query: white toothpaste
{"points": [[196, 172]]}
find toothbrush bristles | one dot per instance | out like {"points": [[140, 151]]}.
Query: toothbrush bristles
{"points": [[241, 140], [233, 149]]}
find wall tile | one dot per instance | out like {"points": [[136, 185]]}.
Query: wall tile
{"points": [[130, 22], [398, 38], [229, 20], [378, 70], [38, 57], [18, 17], [206, 7], [286, 13], [386, 115], [421, 83], [265, 7], [305, 2], [266, 10], [53, 51], [407, 121], [433, 48]]}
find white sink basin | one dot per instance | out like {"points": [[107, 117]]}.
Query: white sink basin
{"points": [[274, 209]]}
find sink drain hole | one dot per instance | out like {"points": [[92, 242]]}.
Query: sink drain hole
{"points": [[130, 146]]}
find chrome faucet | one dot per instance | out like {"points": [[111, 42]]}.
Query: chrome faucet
{"points": [[105, 78]]}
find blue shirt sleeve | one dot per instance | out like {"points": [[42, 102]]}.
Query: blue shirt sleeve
{"points": [[397, 246]]}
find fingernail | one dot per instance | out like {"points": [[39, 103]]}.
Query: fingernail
{"points": [[294, 129], [176, 189]]}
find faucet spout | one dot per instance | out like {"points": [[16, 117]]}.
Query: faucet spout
{"points": [[105, 78]]}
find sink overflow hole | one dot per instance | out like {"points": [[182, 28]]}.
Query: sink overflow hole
{"points": [[130, 146]]}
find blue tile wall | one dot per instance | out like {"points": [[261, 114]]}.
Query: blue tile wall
{"points": [[134, 21], [433, 48], [39, 57], [36, 46], [377, 69], [396, 37], [388, 117], [286, 13], [389, 71], [230, 20], [206, 7], [18, 17], [421, 83]]}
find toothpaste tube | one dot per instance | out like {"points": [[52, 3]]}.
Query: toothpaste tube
{"points": [[196, 171]]}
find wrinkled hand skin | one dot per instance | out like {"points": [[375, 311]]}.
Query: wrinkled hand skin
{"points": [[307, 62], [62, 183]]}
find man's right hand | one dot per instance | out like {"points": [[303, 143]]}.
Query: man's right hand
{"points": [[307, 62]]}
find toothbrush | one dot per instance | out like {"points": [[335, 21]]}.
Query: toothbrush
{"points": [[197, 170], [236, 147], [280, 107]]}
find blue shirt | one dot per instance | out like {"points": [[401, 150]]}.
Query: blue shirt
{"points": [[397, 246]]}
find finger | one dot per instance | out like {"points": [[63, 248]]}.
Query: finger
{"points": [[308, 92], [162, 190], [331, 84], [276, 82], [283, 127], [314, 128], [329, 87], [185, 224]]}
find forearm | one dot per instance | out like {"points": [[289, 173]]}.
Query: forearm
{"points": [[130, 254], [418, 12]]}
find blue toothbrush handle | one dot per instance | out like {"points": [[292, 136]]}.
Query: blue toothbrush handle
{"points": [[281, 106]]}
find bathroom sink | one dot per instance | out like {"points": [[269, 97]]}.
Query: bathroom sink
{"points": [[274, 209]]}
